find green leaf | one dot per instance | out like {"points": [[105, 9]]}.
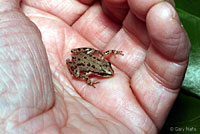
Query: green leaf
{"points": [[190, 6], [191, 24], [184, 117]]}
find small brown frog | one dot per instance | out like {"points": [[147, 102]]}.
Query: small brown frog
{"points": [[89, 61]]}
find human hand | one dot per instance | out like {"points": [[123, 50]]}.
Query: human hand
{"points": [[136, 100]]}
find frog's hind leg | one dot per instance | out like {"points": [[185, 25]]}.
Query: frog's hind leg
{"points": [[88, 80], [115, 52]]}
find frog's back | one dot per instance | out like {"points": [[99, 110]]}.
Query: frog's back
{"points": [[87, 62]]}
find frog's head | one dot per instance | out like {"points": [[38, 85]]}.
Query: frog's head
{"points": [[106, 70]]}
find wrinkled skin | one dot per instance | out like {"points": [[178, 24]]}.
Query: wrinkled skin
{"points": [[39, 95]]}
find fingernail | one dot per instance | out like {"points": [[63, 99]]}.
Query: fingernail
{"points": [[171, 2], [173, 12]]}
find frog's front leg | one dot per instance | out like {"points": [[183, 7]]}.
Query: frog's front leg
{"points": [[115, 52], [86, 50], [88, 80]]}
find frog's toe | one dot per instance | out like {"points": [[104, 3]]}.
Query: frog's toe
{"points": [[119, 53], [93, 83], [68, 61]]}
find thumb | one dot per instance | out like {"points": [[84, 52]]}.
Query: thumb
{"points": [[24, 70]]}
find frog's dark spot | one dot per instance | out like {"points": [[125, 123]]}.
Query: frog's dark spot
{"points": [[85, 57], [79, 59], [93, 66], [88, 64], [94, 57], [98, 59], [79, 49], [81, 64]]}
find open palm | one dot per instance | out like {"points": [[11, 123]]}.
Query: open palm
{"points": [[137, 99]]}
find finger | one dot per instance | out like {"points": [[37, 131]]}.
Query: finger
{"points": [[96, 27], [168, 26], [88, 2], [24, 67], [137, 28], [171, 2], [157, 82], [141, 7], [115, 9], [67, 10], [9, 5]]}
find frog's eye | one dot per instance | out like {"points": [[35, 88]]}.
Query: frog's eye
{"points": [[101, 74]]}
